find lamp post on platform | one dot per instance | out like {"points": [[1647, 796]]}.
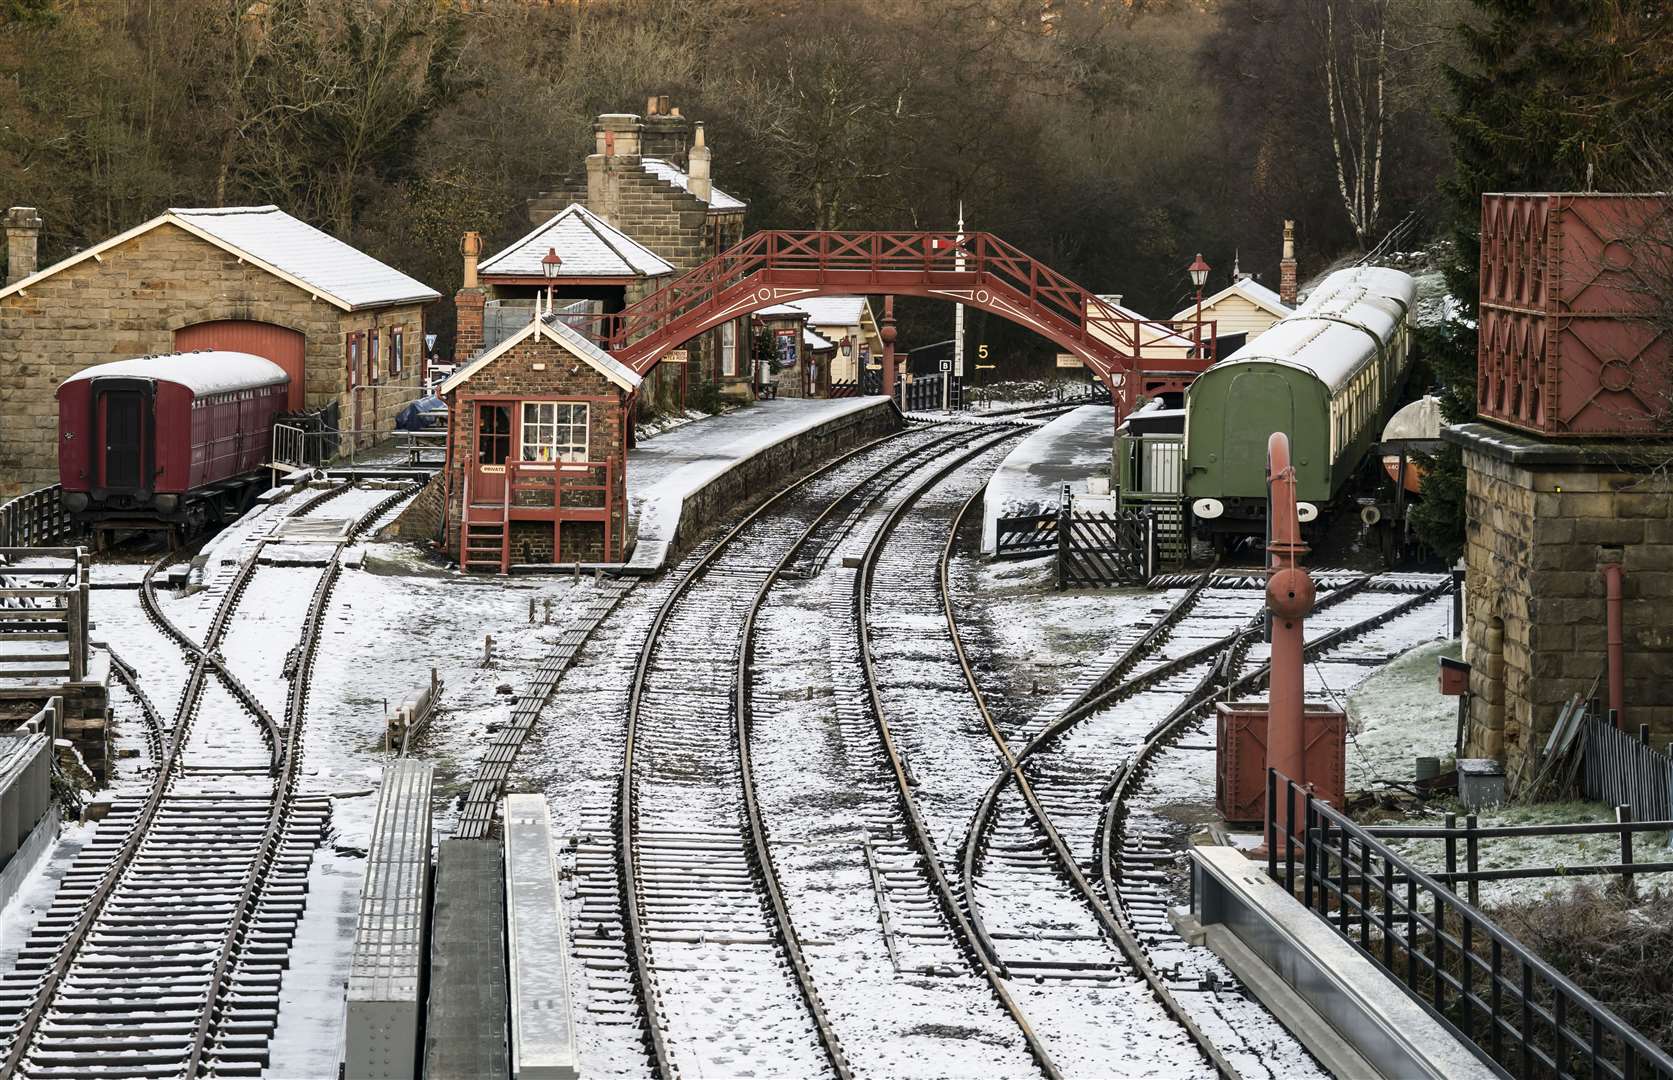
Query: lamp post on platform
{"points": [[551, 263], [1199, 277]]}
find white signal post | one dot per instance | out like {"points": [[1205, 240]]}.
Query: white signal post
{"points": [[958, 322]]}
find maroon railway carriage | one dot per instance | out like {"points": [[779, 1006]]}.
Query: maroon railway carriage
{"points": [[178, 439]]}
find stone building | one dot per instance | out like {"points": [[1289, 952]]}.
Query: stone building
{"points": [[536, 453], [1544, 520], [649, 176], [600, 269], [347, 328]]}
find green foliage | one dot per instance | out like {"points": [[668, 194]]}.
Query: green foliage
{"points": [[1439, 517], [706, 397]]}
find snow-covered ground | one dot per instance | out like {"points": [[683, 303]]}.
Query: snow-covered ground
{"points": [[1069, 450]]}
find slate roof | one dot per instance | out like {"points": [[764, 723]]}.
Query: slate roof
{"points": [[588, 245], [1248, 288], [833, 310], [284, 246], [673, 174], [551, 326]]}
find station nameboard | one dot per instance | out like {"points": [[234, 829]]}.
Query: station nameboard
{"points": [[677, 356], [1068, 359]]}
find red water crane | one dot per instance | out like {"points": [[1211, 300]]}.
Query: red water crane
{"points": [[1289, 599]]}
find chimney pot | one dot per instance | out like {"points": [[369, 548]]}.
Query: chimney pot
{"points": [[470, 246], [23, 231], [1286, 266]]}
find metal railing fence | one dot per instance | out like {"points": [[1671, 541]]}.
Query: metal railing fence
{"points": [[1516, 1011]]}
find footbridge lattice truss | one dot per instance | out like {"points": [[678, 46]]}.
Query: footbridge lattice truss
{"points": [[1132, 355]]}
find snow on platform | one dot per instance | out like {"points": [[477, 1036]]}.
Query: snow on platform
{"points": [[664, 472], [1071, 448]]}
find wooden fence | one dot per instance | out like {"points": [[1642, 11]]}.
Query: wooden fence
{"points": [[1025, 535], [43, 618], [37, 519], [1104, 549], [1624, 770]]}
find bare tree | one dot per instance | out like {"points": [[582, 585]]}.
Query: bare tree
{"points": [[1353, 62]]}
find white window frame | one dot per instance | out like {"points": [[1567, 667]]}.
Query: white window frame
{"points": [[729, 349], [546, 431]]}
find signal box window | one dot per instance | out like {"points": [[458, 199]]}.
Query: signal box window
{"points": [[554, 431], [493, 434]]}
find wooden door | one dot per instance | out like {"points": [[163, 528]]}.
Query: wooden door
{"points": [[280, 344], [492, 451]]}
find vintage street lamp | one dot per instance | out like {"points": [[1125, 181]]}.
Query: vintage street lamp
{"points": [[1199, 277], [551, 263]]}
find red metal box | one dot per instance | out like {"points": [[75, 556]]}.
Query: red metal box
{"points": [[1240, 757], [1568, 341]]}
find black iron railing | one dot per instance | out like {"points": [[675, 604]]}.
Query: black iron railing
{"points": [[1520, 1014]]}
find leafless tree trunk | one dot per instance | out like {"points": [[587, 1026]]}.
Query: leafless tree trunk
{"points": [[1353, 61]]}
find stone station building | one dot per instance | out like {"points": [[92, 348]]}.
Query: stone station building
{"points": [[348, 329]]}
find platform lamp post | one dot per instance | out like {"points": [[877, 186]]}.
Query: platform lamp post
{"points": [[551, 263], [1199, 277]]}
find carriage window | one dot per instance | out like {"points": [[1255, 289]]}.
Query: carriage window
{"points": [[493, 434], [554, 431]]}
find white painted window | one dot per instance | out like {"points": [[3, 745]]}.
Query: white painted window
{"points": [[729, 348], [554, 431]]}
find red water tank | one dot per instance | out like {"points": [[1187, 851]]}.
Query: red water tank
{"points": [[1568, 344]]}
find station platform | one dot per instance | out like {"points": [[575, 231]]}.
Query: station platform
{"points": [[683, 479], [1068, 450]]}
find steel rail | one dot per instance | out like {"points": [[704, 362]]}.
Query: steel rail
{"points": [[129, 678], [743, 716], [633, 922], [203, 661], [1113, 927], [1162, 734], [279, 813], [956, 915]]}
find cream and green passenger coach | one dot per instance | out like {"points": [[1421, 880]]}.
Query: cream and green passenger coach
{"points": [[1327, 375]]}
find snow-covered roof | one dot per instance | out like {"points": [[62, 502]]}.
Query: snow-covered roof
{"points": [[1248, 288], [673, 174], [816, 341], [588, 245], [284, 246], [553, 327], [781, 311], [207, 371], [833, 310]]}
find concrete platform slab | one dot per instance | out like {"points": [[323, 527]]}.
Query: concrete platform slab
{"points": [[542, 1021], [667, 475], [1068, 450]]}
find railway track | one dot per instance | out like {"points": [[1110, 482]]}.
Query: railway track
{"points": [[163, 950], [699, 890]]}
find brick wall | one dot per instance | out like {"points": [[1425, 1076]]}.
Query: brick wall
{"points": [[129, 305], [514, 375], [1537, 534]]}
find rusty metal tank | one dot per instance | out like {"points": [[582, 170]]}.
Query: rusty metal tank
{"points": [[1571, 340]]}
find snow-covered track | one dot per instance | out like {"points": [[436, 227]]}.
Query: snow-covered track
{"points": [[699, 889], [948, 891], [164, 947], [1128, 863]]}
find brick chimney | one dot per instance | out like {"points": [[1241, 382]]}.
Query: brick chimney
{"points": [[469, 303], [23, 229], [666, 134], [701, 184], [1286, 266], [616, 136]]}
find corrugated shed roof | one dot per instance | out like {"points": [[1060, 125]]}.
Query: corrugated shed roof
{"points": [[588, 245], [673, 174], [303, 252], [833, 310]]}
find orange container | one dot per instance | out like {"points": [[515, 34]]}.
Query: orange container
{"points": [[1240, 758]]}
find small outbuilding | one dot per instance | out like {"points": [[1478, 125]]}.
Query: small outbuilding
{"points": [[1243, 307], [846, 322], [346, 328], [536, 468]]}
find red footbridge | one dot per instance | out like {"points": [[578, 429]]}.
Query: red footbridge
{"points": [[1134, 356]]}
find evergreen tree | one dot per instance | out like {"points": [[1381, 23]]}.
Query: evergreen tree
{"points": [[1555, 95]]}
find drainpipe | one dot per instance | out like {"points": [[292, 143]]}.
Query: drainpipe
{"points": [[1617, 642], [1289, 598]]}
